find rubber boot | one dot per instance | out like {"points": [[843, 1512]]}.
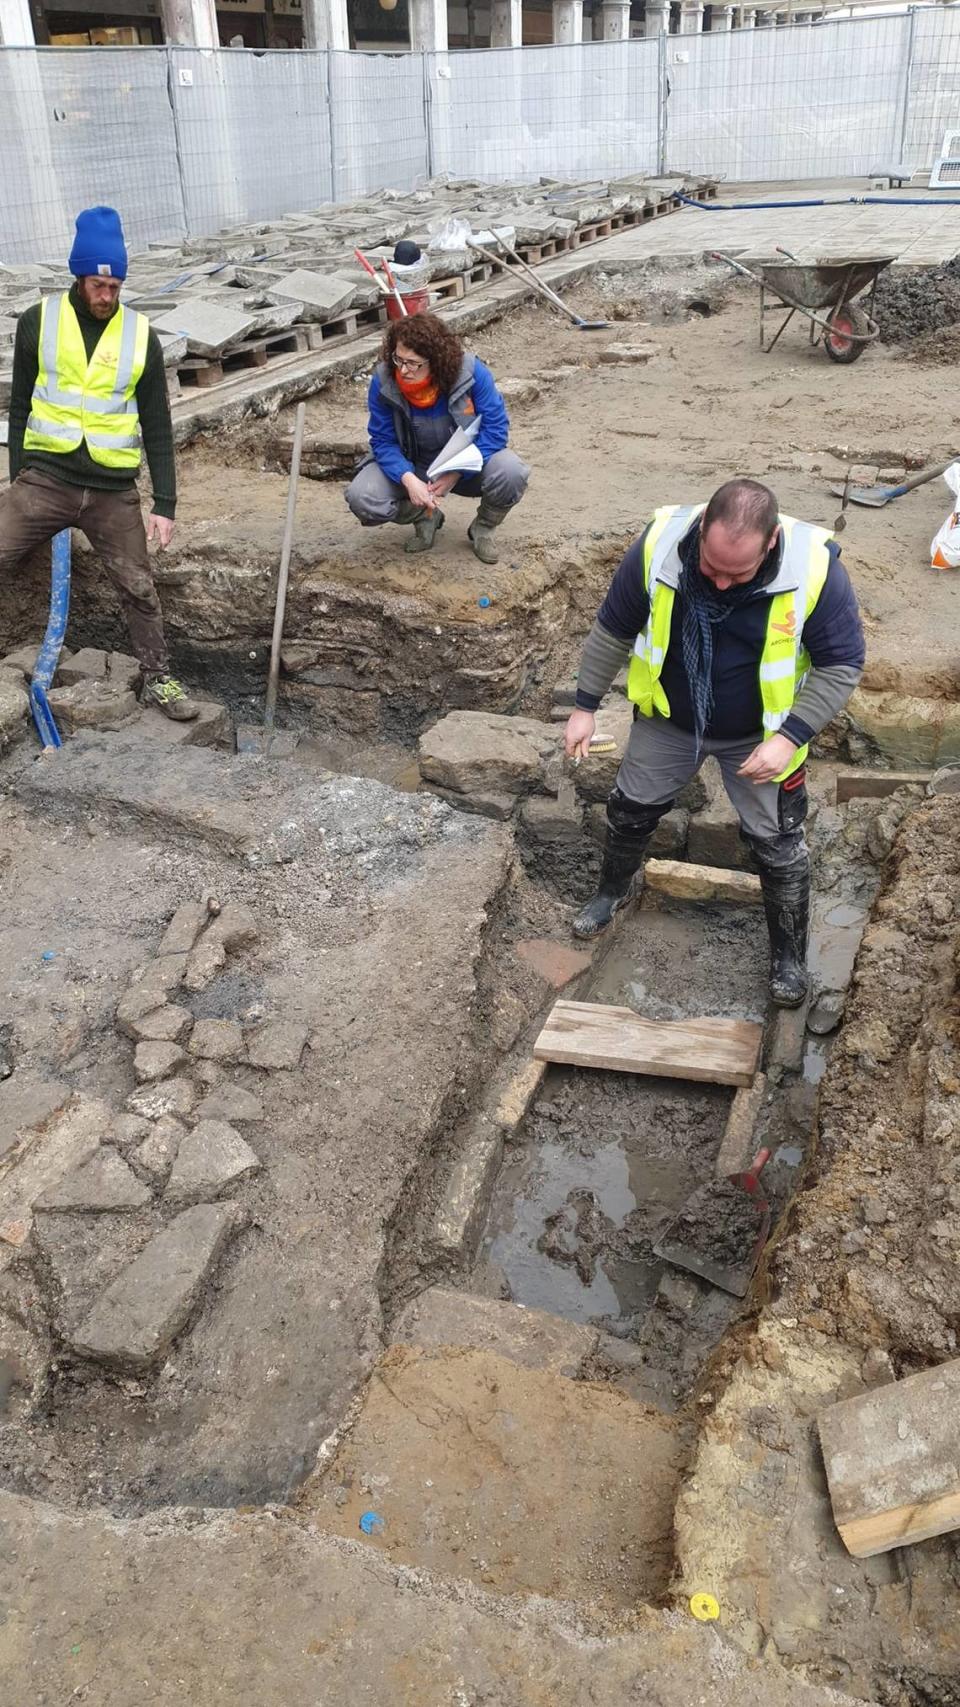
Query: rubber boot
{"points": [[426, 526], [480, 531], [786, 902], [622, 860]]}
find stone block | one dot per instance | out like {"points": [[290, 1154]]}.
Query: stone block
{"points": [[127, 1131], [737, 1150], [217, 1040], [89, 664], [159, 976], [14, 709], [210, 1159], [499, 807], [457, 1222], [24, 658], [153, 1061], [123, 669], [212, 727], [688, 882], [169, 1024], [628, 354], [519, 1094], [323, 295], [184, 928], [138, 1317], [204, 964], [104, 1183], [153, 1159], [483, 752], [595, 775], [714, 834], [277, 1045], [44, 1154], [92, 704], [903, 728], [518, 391], [231, 1103], [234, 927], [549, 820], [170, 1096], [531, 1338], [207, 327]]}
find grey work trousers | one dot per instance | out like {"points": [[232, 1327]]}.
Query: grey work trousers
{"points": [[374, 499], [661, 759]]}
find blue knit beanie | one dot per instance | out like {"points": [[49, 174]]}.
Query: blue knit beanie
{"points": [[98, 248]]}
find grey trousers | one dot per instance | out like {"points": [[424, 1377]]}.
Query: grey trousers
{"points": [[660, 759], [374, 499]]}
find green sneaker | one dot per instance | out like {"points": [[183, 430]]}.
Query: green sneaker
{"points": [[168, 696]]}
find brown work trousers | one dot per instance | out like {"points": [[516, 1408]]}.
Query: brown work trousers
{"points": [[38, 505]]}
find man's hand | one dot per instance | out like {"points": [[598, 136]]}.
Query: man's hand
{"points": [[768, 760], [419, 492], [578, 734], [159, 528], [443, 484]]}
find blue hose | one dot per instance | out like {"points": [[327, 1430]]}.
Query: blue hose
{"points": [[824, 201], [49, 654]]}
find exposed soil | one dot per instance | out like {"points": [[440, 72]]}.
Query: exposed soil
{"points": [[915, 303]]}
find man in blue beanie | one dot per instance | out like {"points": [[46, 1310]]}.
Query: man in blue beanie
{"points": [[89, 392]]}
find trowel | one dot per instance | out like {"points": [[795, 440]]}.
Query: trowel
{"points": [[721, 1229]]}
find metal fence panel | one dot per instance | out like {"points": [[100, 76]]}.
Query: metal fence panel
{"points": [[800, 102], [934, 101], [581, 111], [80, 126], [379, 122], [253, 131]]}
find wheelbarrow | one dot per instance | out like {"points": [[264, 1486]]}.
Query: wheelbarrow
{"points": [[825, 292]]}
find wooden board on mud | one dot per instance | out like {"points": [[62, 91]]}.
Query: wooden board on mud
{"points": [[892, 1458], [590, 1034]]}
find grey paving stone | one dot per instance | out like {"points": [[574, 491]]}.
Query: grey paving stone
{"points": [[210, 1159]]}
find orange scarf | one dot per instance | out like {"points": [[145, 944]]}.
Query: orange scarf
{"points": [[419, 393]]}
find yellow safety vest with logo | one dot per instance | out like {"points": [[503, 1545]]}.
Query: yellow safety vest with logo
{"points": [[793, 594], [75, 399]]}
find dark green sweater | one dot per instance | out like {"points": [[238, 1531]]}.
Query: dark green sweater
{"points": [[77, 467]]}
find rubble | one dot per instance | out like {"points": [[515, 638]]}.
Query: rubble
{"points": [[209, 1160], [277, 1045], [103, 1183]]}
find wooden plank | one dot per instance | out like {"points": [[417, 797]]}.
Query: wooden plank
{"points": [[892, 1458], [875, 785], [689, 882], [590, 1034]]}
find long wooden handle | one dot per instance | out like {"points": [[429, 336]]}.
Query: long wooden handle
{"points": [[920, 479], [284, 574]]}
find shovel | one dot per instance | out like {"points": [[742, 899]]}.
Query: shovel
{"points": [[538, 284], [721, 1229], [874, 497]]}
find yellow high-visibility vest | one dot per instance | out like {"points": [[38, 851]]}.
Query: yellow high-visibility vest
{"points": [[784, 661], [75, 399]]}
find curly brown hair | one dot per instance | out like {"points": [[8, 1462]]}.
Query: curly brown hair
{"points": [[430, 338]]}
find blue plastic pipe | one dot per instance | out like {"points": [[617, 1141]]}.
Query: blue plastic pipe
{"points": [[824, 201], [49, 654]]}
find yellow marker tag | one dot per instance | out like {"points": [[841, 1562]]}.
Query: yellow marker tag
{"points": [[704, 1608]]}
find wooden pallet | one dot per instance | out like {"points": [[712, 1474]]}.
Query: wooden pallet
{"points": [[322, 335], [204, 371]]}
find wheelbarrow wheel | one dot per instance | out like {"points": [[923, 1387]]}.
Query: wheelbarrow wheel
{"points": [[837, 340]]}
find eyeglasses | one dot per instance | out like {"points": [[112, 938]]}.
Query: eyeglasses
{"points": [[406, 365]]}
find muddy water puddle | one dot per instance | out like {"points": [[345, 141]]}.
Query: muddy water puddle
{"points": [[680, 961], [606, 1160]]}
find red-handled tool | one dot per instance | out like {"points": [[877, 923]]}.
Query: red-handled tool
{"points": [[722, 1229]]}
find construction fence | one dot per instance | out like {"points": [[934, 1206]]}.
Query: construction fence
{"points": [[184, 141]]}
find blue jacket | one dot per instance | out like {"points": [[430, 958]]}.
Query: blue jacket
{"points": [[390, 426], [832, 634]]}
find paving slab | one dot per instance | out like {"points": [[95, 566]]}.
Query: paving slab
{"points": [[323, 295], [103, 1183], [141, 1313], [210, 1159], [207, 327]]}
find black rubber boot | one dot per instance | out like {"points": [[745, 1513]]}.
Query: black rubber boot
{"points": [[786, 902], [629, 828]]}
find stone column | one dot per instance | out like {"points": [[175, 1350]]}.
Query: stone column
{"points": [[506, 23], [567, 22], [16, 23], [325, 24], [428, 26], [656, 19], [691, 19], [615, 18], [190, 23], [721, 19]]}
